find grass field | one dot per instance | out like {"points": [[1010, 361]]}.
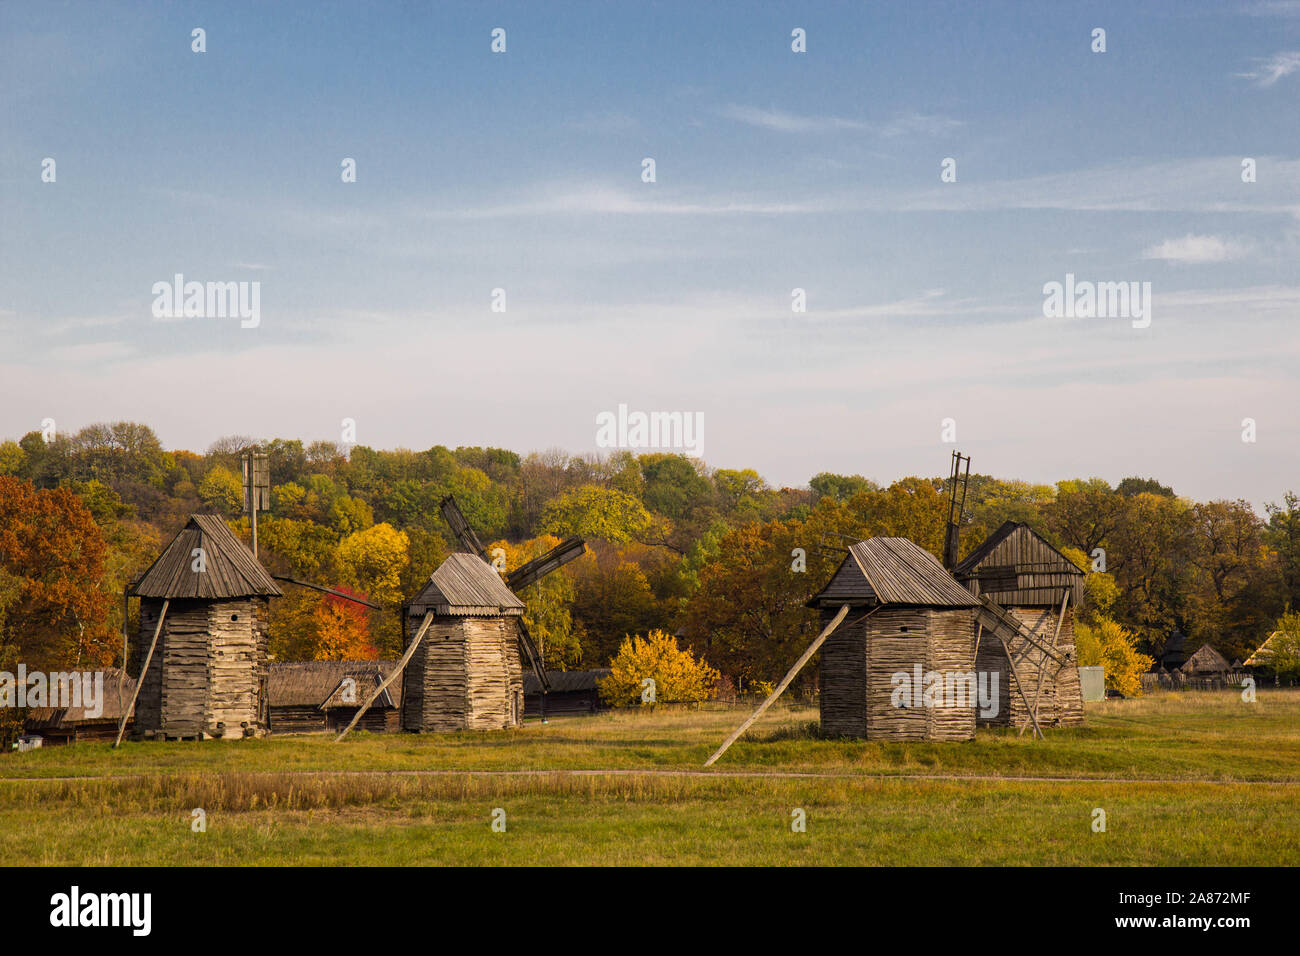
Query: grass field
{"points": [[1187, 779]]}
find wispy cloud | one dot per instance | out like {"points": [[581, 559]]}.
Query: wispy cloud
{"points": [[1197, 249], [1269, 70], [1275, 8], [781, 121], [920, 124], [784, 122]]}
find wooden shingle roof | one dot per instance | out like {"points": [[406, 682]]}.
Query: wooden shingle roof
{"points": [[893, 571], [563, 682], [230, 570], [317, 683], [465, 584]]}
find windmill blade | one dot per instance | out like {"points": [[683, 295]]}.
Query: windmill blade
{"points": [[529, 650], [451, 513], [538, 568]]}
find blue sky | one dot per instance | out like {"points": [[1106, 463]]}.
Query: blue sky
{"points": [[775, 170]]}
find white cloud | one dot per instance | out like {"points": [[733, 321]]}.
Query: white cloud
{"points": [[1197, 249], [905, 124], [1271, 69], [784, 122]]}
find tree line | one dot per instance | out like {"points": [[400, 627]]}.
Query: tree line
{"points": [[715, 556]]}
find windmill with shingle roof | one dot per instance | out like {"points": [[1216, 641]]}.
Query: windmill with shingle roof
{"points": [[204, 618], [467, 643]]}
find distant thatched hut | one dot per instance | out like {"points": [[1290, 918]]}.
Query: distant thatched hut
{"points": [[1206, 662], [467, 673], [1022, 572], [318, 696], [208, 674], [909, 617]]}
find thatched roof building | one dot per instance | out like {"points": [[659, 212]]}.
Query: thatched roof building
{"points": [[1265, 654], [1174, 654], [909, 617], [1206, 661], [317, 696], [208, 674], [1021, 570], [68, 725], [467, 673]]}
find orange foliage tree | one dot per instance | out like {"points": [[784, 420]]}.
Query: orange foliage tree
{"points": [[342, 630], [52, 553]]}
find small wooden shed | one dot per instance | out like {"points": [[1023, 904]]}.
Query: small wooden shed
{"points": [[1039, 587], [572, 693], [318, 696], [208, 674], [467, 672], [69, 725], [908, 616]]}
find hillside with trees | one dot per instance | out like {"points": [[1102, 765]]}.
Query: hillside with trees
{"points": [[713, 555]]}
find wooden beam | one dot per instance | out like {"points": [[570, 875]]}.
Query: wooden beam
{"points": [[424, 626], [1042, 669], [126, 714], [321, 587], [1016, 677], [539, 567], [785, 681]]}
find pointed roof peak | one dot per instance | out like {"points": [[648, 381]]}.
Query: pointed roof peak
{"points": [[227, 568]]}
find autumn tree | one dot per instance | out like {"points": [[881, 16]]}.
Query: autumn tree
{"points": [[341, 630], [595, 512], [678, 677], [373, 561], [51, 546]]}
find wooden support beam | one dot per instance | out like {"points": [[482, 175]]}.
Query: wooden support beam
{"points": [[785, 681], [126, 714], [1020, 689], [1042, 668], [424, 627]]}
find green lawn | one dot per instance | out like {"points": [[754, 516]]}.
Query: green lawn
{"points": [[1192, 779]]}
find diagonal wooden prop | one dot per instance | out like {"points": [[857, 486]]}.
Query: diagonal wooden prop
{"points": [[785, 681], [126, 714], [424, 626]]}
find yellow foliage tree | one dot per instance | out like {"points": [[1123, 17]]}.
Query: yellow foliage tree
{"points": [[373, 561], [1106, 643], [678, 677]]}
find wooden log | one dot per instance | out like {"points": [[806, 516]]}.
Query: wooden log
{"points": [[126, 714], [428, 619], [785, 682]]}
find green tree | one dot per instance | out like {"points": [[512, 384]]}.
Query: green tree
{"points": [[595, 512]]}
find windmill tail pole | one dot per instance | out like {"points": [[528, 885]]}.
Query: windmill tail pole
{"points": [[424, 626], [780, 688], [126, 714]]}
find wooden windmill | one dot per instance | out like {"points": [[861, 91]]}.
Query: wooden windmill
{"points": [[466, 639], [908, 609]]}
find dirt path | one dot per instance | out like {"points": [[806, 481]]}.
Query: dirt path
{"points": [[702, 774]]}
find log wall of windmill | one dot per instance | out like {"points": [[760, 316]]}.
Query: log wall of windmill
{"points": [[952, 653], [842, 678], [208, 674], [1060, 702], [466, 675], [858, 668]]}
